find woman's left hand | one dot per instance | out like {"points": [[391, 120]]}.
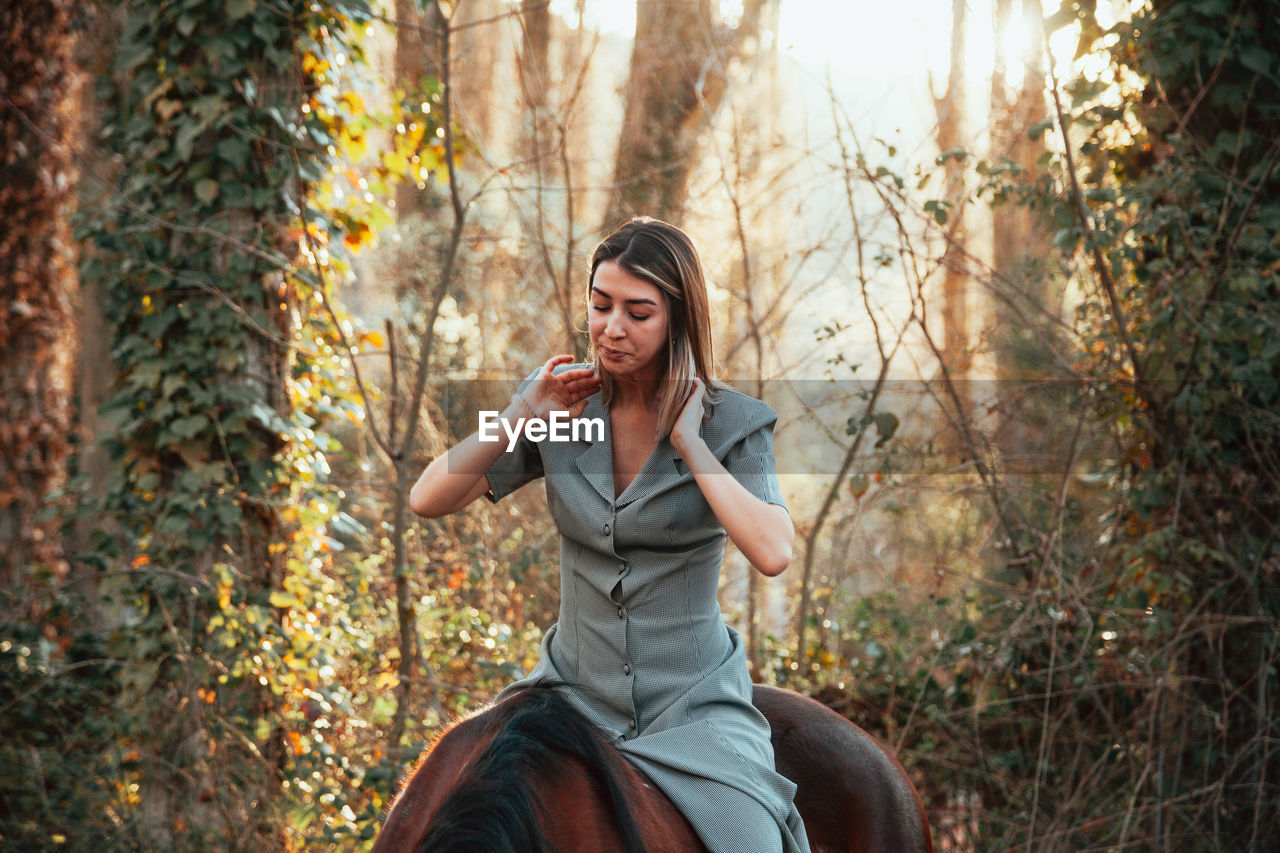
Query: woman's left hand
{"points": [[688, 424]]}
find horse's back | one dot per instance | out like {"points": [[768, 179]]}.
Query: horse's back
{"points": [[853, 795], [530, 774]]}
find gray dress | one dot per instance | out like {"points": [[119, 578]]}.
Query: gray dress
{"points": [[640, 632]]}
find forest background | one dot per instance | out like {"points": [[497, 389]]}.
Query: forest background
{"points": [[261, 261]]}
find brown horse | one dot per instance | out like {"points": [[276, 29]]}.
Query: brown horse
{"points": [[531, 774]]}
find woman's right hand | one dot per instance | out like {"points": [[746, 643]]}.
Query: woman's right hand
{"points": [[563, 392]]}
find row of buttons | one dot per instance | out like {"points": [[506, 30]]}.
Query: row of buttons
{"points": [[622, 611]]}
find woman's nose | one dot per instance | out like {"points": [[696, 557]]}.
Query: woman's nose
{"points": [[613, 328]]}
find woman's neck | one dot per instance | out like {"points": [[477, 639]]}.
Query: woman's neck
{"points": [[636, 394]]}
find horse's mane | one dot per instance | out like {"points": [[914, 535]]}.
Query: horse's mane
{"points": [[495, 804]]}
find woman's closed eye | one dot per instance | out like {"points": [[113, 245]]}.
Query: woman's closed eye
{"points": [[604, 308]]}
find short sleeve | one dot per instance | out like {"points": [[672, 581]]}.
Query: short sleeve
{"points": [[517, 466], [751, 462]]}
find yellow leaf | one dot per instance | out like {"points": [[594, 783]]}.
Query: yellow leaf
{"points": [[386, 681], [283, 599], [357, 236]]}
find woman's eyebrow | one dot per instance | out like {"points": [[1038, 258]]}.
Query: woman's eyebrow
{"points": [[595, 289]]}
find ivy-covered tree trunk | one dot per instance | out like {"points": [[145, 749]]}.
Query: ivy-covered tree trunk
{"points": [[37, 279], [214, 111]]}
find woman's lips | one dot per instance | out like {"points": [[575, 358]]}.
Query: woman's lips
{"points": [[612, 353]]}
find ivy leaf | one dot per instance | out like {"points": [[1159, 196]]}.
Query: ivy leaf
{"points": [[235, 150], [1258, 59], [189, 427], [185, 136], [886, 425], [171, 383], [207, 190], [858, 485], [132, 54]]}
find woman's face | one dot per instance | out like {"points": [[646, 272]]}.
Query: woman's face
{"points": [[628, 324]]}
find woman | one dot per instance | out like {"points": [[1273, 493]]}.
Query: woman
{"points": [[643, 517]]}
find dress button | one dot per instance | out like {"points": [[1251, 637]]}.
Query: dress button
{"points": [[607, 528], [626, 669], [633, 724], [622, 612]]}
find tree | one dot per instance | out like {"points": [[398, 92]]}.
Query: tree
{"points": [[950, 109], [1176, 218], [417, 69], [37, 283], [205, 244], [1021, 297], [677, 82]]}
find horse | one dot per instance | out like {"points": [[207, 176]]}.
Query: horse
{"points": [[532, 775]]}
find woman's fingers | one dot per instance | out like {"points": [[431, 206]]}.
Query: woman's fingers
{"points": [[550, 364], [562, 391], [584, 385]]}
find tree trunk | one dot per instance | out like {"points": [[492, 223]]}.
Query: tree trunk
{"points": [[37, 281], [677, 83], [1019, 243], [417, 60], [950, 110]]}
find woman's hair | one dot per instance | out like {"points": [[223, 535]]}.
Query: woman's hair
{"points": [[663, 255]]}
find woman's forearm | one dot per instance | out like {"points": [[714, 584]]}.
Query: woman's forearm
{"points": [[457, 477], [762, 531]]}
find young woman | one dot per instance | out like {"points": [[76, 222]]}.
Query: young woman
{"points": [[642, 517]]}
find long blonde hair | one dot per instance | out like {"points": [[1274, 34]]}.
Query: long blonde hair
{"points": [[663, 255]]}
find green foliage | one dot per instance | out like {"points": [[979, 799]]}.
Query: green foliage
{"points": [[241, 656], [59, 754], [215, 606], [1187, 231], [1106, 676], [1115, 680]]}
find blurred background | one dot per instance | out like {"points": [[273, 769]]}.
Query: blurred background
{"points": [[1007, 269]]}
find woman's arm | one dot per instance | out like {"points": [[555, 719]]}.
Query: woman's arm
{"points": [[457, 478], [762, 531]]}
